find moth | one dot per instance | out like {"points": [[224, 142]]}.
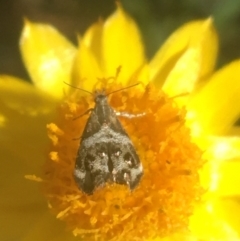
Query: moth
{"points": [[106, 153]]}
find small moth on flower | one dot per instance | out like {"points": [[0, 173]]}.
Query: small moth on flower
{"points": [[106, 152]]}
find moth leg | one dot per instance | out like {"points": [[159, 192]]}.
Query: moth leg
{"points": [[130, 116], [85, 113]]}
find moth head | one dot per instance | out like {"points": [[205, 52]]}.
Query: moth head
{"points": [[100, 97]]}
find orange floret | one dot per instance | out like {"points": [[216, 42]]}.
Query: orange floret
{"points": [[168, 191]]}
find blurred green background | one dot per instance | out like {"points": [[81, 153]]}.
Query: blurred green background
{"points": [[156, 20]]}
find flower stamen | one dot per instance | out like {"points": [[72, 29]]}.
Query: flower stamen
{"points": [[163, 201]]}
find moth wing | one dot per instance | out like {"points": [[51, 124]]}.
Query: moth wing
{"points": [[91, 169], [127, 168], [92, 126]]}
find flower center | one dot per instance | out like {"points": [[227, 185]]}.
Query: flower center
{"points": [[168, 189]]}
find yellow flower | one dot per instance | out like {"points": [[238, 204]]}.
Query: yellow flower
{"points": [[168, 146]]}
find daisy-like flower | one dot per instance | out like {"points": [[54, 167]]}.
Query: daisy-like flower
{"points": [[188, 122]]}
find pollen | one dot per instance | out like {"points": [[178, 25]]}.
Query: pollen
{"points": [[168, 191]]}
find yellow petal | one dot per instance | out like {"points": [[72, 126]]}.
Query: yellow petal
{"points": [[223, 148], [93, 40], [16, 218], [185, 73], [217, 105], [48, 57], [229, 178], [228, 209], [24, 112], [206, 225], [122, 46], [47, 228], [85, 69], [21, 152], [218, 151], [198, 36], [23, 97], [234, 131]]}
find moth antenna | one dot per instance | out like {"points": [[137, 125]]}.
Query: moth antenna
{"points": [[130, 86], [78, 88], [180, 95]]}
